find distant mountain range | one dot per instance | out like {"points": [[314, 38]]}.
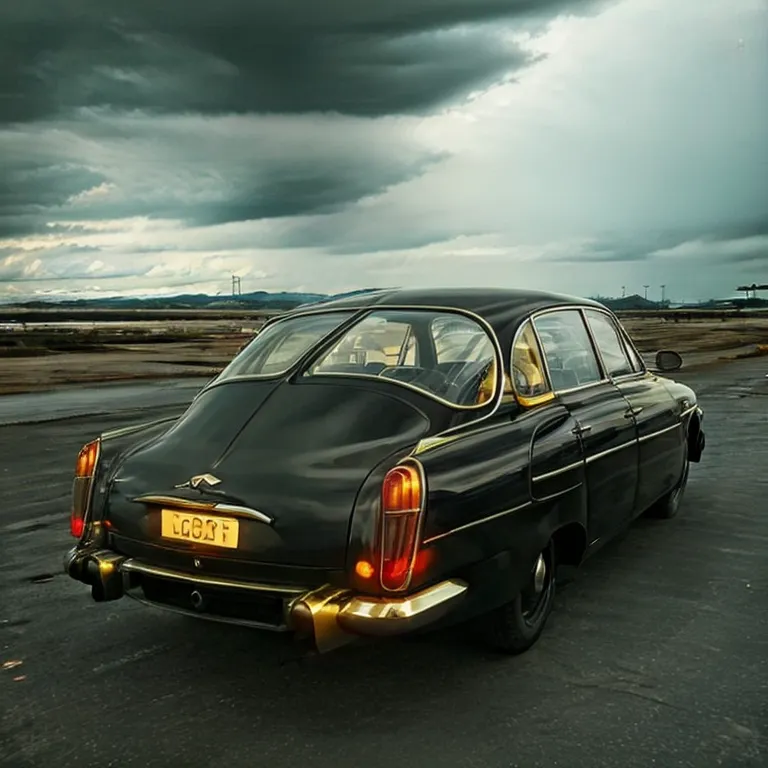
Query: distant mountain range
{"points": [[254, 300], [285, 300]]}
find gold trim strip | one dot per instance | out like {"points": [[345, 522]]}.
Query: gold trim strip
{"points": [[556, 472], [609, 451], [205, 506], [464, 527], [659, 433]]}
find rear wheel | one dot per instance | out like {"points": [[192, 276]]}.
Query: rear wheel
{"points": [[515, 627], [669, 504]]}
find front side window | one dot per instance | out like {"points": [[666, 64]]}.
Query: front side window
{"points": [[528, 376], [609, 343], [637, 362], [277, 348], [445, 355], [567, 349]]}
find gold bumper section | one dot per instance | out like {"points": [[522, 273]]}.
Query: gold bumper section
{"points": [[335, 617], [330, 615]]}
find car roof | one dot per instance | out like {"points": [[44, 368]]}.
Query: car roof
{"points": [[499, 307]]}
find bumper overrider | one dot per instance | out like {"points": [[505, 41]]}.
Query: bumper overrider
{"points": [[331, 616]]}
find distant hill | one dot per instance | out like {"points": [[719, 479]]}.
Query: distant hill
{"points": [[285, 300], [254, 300], [625, 303]]}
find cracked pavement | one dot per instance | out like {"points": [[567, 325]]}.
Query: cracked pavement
{"points": [[656, 654]]}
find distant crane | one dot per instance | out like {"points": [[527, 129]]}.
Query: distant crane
{"points": [[236, 285], [646, 290], [623, 291], [754, 288], [663, 292]]}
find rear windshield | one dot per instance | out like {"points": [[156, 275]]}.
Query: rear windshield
{"points": [[281, 344], [443, 354]]}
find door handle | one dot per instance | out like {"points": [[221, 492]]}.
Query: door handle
{"points": [[581, 429], [632, 412]]}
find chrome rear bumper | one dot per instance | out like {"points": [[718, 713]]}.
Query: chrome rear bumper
{"points": [[330, 615]]}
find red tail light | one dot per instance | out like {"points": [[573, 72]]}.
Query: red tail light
{"points": [[85, 467], [402, 497]]}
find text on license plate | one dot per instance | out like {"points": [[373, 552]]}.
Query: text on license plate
{"points": [[200, 529]]}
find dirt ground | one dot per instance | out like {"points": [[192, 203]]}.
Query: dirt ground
{"points": [[207, 347]]}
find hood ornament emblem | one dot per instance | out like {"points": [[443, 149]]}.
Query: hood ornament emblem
{"points": [[198, 480]]}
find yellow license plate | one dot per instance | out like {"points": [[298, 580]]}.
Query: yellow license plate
{"points": [[200, 529]]}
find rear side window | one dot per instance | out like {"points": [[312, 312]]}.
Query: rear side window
{"points": [[609, 343], [279, 346], [444, 354]]}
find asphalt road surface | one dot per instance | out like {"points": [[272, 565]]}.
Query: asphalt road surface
{"points": [[656, 655]]}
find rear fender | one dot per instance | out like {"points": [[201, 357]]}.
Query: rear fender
{"points": [[364, 522]]}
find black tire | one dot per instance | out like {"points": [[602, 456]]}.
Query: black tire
{"points": [[514, 627], [669, 504]]}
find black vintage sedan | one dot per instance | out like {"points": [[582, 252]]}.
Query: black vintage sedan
{"points": [[387, 463]]}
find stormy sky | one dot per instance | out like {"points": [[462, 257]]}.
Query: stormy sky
{"points": [[575, 145]]}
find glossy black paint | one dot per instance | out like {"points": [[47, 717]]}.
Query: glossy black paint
{"points": [[312, 453], [298, 452], [660, 437], [610, 452]]}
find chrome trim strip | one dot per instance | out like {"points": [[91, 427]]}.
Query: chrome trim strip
{"points": [[659, 433], [609, 451], [435, 441], [160, 499], [207, 616], [689, 410], [556, 472], [236, 509], [464, 527], [133, 566], [397, 382], [111, 434], [582, 387], [205, 507]]}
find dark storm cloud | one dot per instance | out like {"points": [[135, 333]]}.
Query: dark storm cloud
{"points": [[316, 188], [196, 170], [31, 189], [347, 56]]}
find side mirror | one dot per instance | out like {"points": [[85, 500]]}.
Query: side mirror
{"points": [[667, 361]]}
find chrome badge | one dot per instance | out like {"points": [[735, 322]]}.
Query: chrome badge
{"points": [[198, 480]]}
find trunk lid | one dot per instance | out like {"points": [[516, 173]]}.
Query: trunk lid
{"points": [[297, 453]]}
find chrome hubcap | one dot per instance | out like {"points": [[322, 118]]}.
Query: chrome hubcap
{"points": [[539, 575]]}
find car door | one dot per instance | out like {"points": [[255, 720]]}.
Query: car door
{"points": [[650, 407], [608, 438], [556, 460]]}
